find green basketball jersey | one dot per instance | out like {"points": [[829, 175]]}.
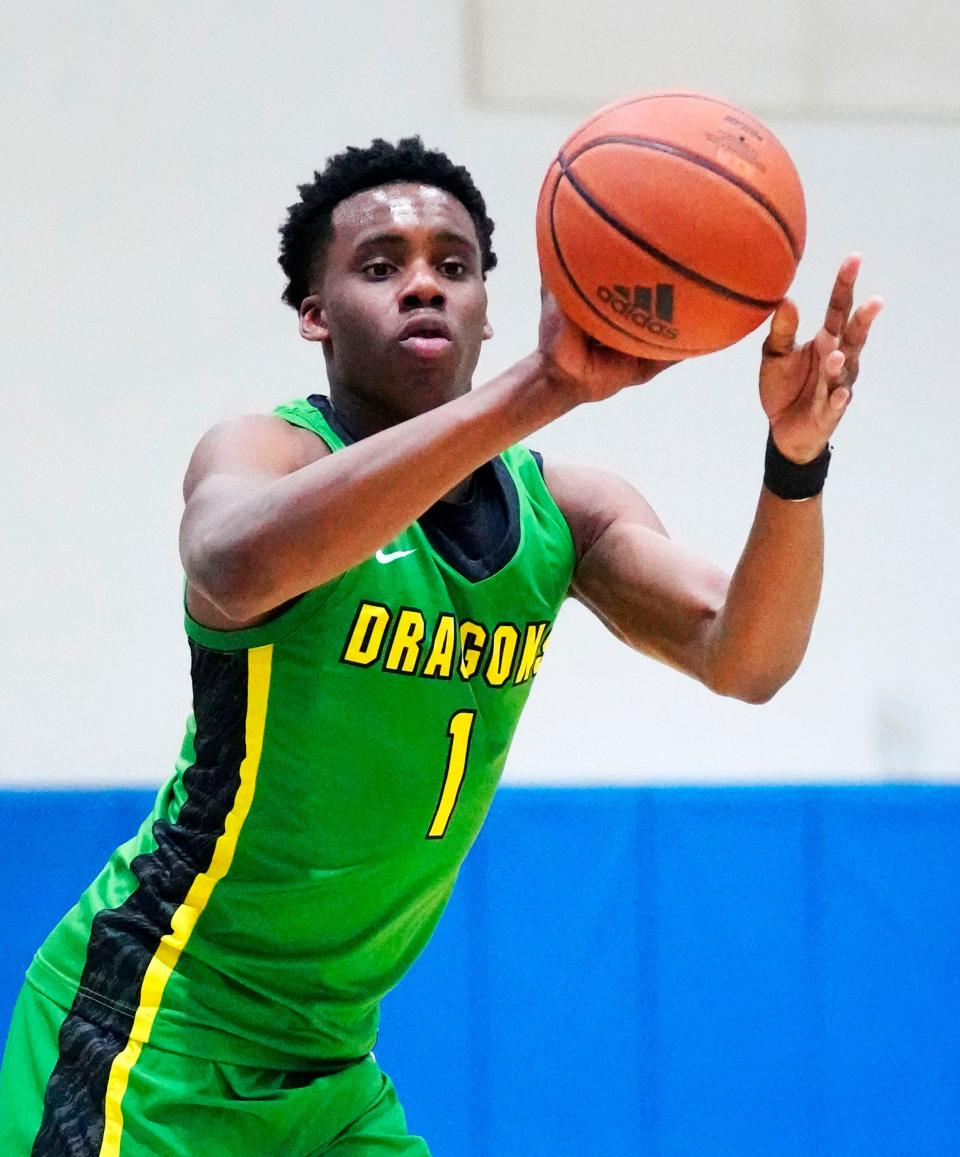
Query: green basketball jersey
{"points": [[337, 766]]}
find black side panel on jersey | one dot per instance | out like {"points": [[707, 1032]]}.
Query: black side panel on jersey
{"points": [[124, 940]]}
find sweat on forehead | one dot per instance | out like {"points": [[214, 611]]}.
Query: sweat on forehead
{"points": [[399, 204]]}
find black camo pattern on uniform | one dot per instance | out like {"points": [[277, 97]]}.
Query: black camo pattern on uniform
{"points": [[124, 940]]}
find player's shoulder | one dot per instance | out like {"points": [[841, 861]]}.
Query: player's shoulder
{"points": [[257, 442], [591, 499]]}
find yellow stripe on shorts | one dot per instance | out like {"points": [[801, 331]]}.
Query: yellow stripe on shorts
{"points": [[185, 918]]}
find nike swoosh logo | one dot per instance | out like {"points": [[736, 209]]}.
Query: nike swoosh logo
{"points": [[393, 555]]}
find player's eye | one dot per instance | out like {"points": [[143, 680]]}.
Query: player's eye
{"points": [[453, 267], [378, 270]]}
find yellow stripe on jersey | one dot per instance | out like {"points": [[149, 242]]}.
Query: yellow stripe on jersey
{"points": [[185, 918]]}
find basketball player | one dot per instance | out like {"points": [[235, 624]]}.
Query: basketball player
{"points": [[372, 581]]}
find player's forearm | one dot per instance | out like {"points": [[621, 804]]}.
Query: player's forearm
{"points": [[759, 638], [309, 526]]}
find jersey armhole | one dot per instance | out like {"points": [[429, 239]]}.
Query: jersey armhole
{"points": [[312, 414]]}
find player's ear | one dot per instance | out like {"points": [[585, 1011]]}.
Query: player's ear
{"points": [[487, 329], [313, 319]]}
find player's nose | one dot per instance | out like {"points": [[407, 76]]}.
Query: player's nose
{"points": [[422, 286]]}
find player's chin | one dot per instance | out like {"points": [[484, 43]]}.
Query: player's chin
{"points": [[423, 388]]}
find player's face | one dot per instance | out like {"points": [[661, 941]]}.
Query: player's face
{"points": [[401, 305]]}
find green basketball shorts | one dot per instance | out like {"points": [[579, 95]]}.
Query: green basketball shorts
{"points": [[179, 1106]]}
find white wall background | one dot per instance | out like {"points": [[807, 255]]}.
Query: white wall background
{"points": [[149, 151]]}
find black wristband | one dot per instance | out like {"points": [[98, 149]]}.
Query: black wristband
{"points": [[793, 480]]}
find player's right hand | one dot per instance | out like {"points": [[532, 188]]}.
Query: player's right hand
{"points": [[580, 365]]}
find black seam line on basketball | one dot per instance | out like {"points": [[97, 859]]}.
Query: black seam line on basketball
{"points": [[589, 304], [648, 247], [696, 159], [676, 266]]}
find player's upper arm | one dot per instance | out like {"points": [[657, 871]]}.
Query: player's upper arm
{"points": [[235, 462], [654, 594]]}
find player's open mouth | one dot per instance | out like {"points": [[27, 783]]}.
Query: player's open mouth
{"points": [[426, 347], [426, 337]]}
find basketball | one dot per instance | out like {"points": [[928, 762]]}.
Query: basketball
{"points": [[670, 224]]}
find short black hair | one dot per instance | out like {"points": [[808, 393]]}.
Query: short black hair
{"points": [[307, 229]]}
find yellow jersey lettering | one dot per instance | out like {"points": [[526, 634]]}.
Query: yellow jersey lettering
{"points": [[473, 639], [531, 647], [405, 645], [399, 642], [366, 635], [439, 664], [503, 650], [543, 647]]}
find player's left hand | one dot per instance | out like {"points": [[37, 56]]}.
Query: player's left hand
{"points": [[806, 389]]}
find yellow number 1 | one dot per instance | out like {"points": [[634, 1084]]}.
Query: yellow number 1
{"points": [[459, 729]]}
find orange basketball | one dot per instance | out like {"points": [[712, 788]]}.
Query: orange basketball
{"points": [[670, 224]]}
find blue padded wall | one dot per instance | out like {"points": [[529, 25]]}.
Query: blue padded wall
{"points": [[676, 972]]}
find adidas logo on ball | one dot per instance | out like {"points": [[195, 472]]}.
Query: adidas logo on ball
{"points": [[647, 308]]}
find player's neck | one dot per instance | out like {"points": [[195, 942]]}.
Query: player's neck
{"points": [[358, 420], [363, 413]]}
